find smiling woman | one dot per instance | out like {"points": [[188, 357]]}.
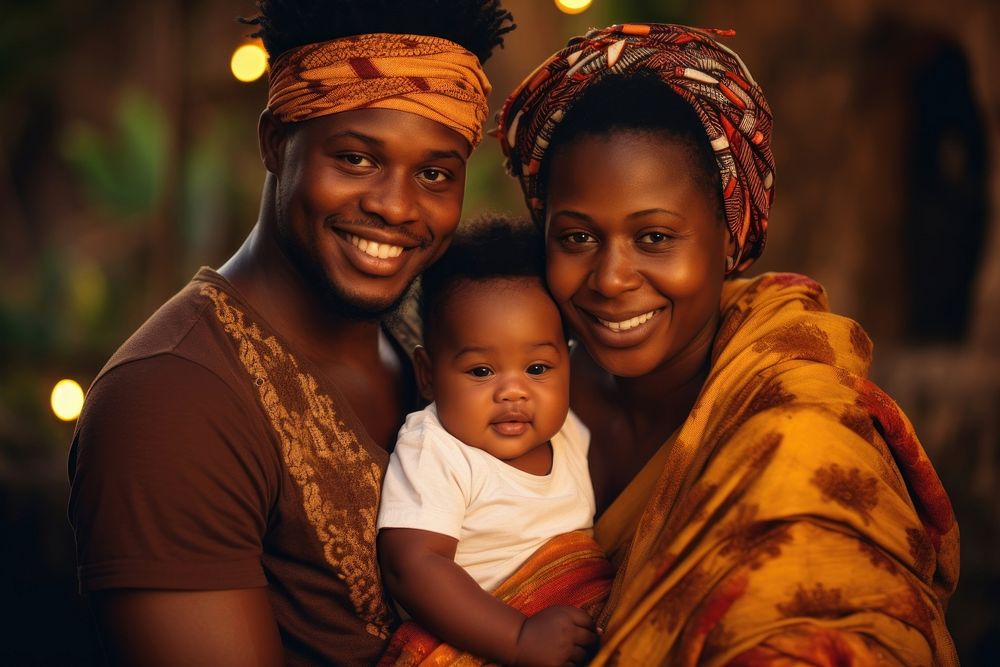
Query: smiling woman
{"points": [[636, 251], [762, 501]]}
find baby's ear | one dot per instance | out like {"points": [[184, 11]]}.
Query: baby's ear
{"points": [[422, 366]]}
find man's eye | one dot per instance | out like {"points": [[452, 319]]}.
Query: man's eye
{"points": [[537, 369], [480, 371], [434, 175], [356, 160]]}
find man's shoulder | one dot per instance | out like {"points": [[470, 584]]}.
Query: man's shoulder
{"points": [[185, 327]]}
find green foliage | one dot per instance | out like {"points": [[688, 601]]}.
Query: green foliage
{"points": [[123, 173]]}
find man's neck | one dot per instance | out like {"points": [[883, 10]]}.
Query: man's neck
{"points": [[266, 277]]}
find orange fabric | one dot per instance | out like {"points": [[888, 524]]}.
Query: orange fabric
{"points": [[429, 76], [796, 519], [569, 569]]}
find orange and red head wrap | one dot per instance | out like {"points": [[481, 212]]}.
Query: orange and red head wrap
{"points": [[429, 76], [706, 74]]}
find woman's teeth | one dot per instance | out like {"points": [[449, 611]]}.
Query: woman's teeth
{"points": [[630, 323], [380, 250]]}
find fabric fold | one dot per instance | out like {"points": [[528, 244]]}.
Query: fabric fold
{"points": [[797, 517], [569, 569]]}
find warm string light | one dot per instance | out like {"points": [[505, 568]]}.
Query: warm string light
{"points": [[249, 62], [573, 6], [67, 400]]}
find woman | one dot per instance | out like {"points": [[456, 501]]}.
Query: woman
{"points": [[762, 500]]}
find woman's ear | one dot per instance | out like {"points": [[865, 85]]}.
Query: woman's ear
{"points": [[422, 367], [271, 135], [730, 246]]}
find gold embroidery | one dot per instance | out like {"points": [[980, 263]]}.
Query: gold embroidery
{"points": [[316, 443]]}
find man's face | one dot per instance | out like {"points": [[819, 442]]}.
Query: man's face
{"points": [[367, 199]]}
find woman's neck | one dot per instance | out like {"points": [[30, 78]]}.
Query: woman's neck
{"points": [[660, 401]]}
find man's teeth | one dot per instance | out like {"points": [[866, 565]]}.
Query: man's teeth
{"points": [[380, 250], [631, 323]]}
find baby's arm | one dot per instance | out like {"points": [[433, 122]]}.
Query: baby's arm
{"points": [[419, 570]]}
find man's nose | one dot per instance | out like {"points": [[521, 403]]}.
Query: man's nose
{"points": [[393, 198]]}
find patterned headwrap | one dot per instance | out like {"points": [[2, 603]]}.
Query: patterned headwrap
{"points": [[429, 76], [706, 74]]}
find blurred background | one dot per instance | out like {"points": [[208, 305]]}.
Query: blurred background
{"points": [[128, 158]]}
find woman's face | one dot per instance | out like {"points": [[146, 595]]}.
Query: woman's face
{"points": [[636, 252]]}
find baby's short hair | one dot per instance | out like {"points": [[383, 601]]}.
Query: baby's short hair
{"points": [[487, 248]]}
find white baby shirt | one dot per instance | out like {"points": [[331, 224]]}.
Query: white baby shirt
{"points": [[500, 515]]}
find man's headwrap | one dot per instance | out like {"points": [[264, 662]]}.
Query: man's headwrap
{"points": [[706, 74], [429, 76]]}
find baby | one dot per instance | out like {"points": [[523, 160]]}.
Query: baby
{"points": [[496, 465]]}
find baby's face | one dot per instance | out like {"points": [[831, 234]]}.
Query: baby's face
{"points": [[499, 366]]}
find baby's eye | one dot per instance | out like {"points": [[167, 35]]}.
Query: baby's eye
{"points": [[480, 372], [537, 369]]}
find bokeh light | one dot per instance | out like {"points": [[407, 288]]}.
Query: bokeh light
{"points": [[573, 6], [67, 400], [249, 62]]}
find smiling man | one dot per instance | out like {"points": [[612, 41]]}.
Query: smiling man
{"points": [[226, 469]]}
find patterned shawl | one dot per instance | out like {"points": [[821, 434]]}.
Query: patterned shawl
{"points": [[796, 519], [706, 74]]}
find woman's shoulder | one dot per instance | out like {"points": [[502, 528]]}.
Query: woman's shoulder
{"points": [[777, 289], [784, 316]]}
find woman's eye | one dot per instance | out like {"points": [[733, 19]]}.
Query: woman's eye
{"points": [[537, 369], [578, 238], [654, 237], [480, 372]]}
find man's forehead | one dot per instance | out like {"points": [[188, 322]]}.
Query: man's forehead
{"points": [[384, 128]]}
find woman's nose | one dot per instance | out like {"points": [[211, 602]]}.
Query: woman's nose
{"points": [[614, 272], [392, 198]]}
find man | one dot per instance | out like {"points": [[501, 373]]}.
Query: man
{"points": [[226, 469]]}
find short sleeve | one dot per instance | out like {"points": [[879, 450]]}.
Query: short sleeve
{"points": [[172, 478], [427, 484], [577, 434]]}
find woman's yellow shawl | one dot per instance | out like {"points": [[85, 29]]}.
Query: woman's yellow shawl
{"points": [[795, 519]]}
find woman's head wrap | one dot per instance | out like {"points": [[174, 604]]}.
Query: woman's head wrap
{"points": [[429, 76], [706, 74]]}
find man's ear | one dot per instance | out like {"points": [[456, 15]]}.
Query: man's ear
{"points": [[422, 367], [271, 135]]}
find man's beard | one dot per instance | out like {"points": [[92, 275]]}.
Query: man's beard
{"points": [[332, 295]]}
